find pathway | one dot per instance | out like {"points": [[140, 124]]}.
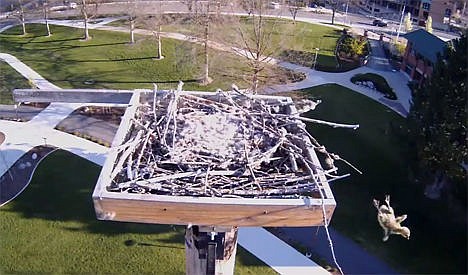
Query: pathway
{"points": [[351, 257]]}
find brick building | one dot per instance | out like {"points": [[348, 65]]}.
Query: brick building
{"points": [[421, 54]]}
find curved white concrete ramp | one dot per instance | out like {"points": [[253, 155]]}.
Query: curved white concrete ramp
{"points": [[277, 254]]}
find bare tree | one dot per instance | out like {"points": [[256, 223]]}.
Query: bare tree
{"points": [[191, 4], [254, 40], [408, 24], [154, 23], [18, 12], [429, 24], [132, 8], [88, 11], [204, 18], [45, 11], [294, 6], [334, 5]]}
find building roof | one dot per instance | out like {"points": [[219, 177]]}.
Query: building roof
{"points": [[426, 44]]}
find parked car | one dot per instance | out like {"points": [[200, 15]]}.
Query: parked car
{"points": [[379, 23], [274, 5]]}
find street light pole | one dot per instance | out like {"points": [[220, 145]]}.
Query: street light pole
{"points": [[346, 12], [401, 22], [16, 111], [316, 53]]}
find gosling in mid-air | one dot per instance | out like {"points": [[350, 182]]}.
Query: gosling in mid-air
{"points": [[388, 222]]}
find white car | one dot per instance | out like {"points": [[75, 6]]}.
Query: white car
{"points": [[274, 5]]}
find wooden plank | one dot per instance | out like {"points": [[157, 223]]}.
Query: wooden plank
{"points": [[184, 213], [73, 96]]}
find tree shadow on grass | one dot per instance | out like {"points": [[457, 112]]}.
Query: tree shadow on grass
{"points": [[68, 47], [61, 190], [53, 41], [104, 84]]}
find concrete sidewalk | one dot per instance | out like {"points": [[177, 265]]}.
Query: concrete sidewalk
{"points": [[39, 81], [277, 254], [351, 257]]}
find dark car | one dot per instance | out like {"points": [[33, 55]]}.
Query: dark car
{"points": [[379, 23]]}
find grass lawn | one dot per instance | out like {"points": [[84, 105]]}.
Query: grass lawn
{"points": [[438, 242], [51, 228], [10, 79], [301, 37], [108, 61]]}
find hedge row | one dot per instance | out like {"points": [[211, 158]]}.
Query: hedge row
{"points": [[380, 84]]}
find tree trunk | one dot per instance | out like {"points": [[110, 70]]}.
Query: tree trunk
{"points": [[85, 19], [86, 31], [23, 20], [160, 56], [255, 81], [206, 77], [46, 18], [23, 24], [201, 247], [333, 15], [132, 30]]}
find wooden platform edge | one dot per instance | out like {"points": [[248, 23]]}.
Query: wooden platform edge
{"points": [[217, 213]]}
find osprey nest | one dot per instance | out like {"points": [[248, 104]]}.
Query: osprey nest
{"points": [[221, 145]]}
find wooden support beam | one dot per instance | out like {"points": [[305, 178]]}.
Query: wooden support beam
{"points": [[73, 96], [210, 250]]}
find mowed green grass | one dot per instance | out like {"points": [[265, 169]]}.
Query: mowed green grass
{"points": [[109, 61], [438, 242], [52, 228], [283, 34], [10, 79]]}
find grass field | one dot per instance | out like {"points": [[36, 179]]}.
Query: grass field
{"points": [[51, 228], [300, 37], [9, 80], [438, 242], [109, 61]]}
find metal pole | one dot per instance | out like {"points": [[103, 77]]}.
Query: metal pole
{"points": [[316, 53], [401, 21], [346, 12], [16, 111]]}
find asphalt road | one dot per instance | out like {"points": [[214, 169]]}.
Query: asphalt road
{"points": [[350, 256]]}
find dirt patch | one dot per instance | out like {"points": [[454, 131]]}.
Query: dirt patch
{"points": [[2, 138], [97, 124]]}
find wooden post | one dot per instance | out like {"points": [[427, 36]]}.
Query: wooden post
{"points": [[210, 250]]}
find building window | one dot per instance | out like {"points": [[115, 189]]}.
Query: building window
{"points": [[426, 6], [425, 15], [417, 75], [448, 12], [408, 69]]}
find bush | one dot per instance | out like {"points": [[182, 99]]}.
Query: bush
{"points": [[343, 67], [380, 84]]}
